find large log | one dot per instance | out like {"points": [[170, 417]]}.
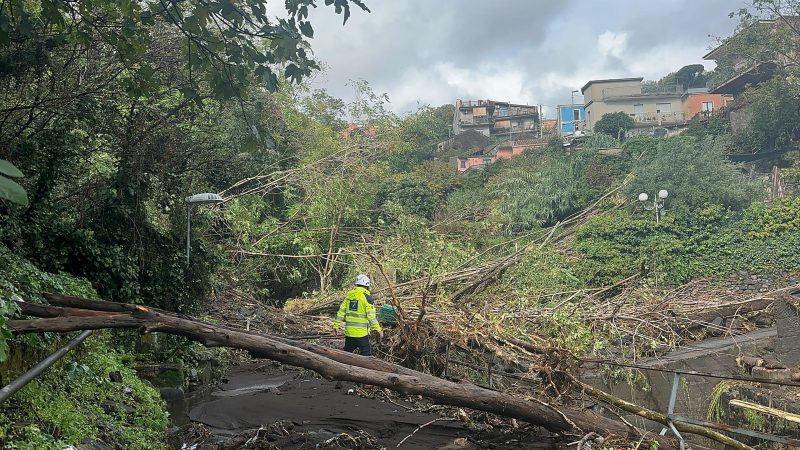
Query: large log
{"points": [[330, 363]]}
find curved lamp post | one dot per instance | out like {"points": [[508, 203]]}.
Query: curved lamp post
{"points": [[658, 202], [197, 199]]}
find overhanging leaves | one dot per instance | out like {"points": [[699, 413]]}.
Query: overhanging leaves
{"points": [[225, 38], [12, 191]]}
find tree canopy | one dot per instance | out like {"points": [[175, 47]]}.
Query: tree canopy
{"points": [[614, 124], [225, 43]]}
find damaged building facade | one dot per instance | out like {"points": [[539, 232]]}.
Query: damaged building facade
{"points": [[492, 118]]}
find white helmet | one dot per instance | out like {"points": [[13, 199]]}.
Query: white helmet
{"points": [[362, 280]]}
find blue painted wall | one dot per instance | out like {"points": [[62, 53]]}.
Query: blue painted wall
{"points": [[565, 116]]}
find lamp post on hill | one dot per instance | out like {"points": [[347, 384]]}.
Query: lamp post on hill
{"points": [[197, 199], [658, 203]]}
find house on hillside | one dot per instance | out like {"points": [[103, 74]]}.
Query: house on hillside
{"points": [[737, 57], [625, 94], [571, 118], [492, 118], [667, 108]]}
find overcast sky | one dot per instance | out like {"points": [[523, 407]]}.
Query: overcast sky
{"points": [[526, 51]]}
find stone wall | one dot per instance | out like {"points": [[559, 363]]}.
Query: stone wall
{"points": [[754, 284]]}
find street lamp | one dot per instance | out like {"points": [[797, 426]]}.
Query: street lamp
{"points": [[197, 199], [658, 203]]}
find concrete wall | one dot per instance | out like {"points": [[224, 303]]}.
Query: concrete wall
{"points": [[650, 112], [596, 93], [603, 89]]}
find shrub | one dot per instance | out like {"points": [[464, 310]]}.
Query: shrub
{"points": [[614, 124]]}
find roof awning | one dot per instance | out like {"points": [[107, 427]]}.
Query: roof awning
{"points": [[737, 84]]}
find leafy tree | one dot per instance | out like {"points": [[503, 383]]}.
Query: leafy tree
{"points": [[775, 116], [691, 76], [696, 174], [325, 109], [407, 197], [117, 111], [540, 189], [614, 124], [222, 39]]}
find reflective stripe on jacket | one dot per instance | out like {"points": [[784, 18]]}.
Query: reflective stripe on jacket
{"points": [[357, 314]]}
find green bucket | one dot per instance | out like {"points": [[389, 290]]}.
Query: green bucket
{"points": [[386, 314]]}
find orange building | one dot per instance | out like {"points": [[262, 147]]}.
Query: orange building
{"points": [[703, 103]]}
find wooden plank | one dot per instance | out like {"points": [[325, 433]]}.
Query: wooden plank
{"points": [[766, 410]]}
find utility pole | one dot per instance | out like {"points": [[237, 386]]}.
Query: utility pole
{"points": [[572, 110], [541, 121]]}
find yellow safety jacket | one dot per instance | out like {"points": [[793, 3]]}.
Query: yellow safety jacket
{"points": [[357, 314]]}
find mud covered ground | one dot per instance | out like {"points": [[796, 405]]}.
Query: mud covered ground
{"points": [[269, 406]]}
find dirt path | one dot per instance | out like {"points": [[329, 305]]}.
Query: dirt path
{"points": [[295, 410]]}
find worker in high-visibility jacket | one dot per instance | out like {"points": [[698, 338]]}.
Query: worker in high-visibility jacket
{"points": [[356, 317]]}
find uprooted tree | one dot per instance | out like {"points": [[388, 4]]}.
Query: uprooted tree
{"points": [[73, 313]]}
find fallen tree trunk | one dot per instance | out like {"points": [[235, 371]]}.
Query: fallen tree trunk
{"points": [[82, 314], [661, 418]]}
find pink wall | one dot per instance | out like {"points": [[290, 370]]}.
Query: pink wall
{"points": [[501, 153], [472, 161]]}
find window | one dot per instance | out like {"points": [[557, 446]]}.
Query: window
{"points": [[503, 111], [708, 107], [663, 107], [576, 114], [463, 164]]}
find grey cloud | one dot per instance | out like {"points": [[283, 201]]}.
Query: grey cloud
{"points": [[552, 44]]}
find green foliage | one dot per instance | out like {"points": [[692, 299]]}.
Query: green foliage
{"points": [[690, 76], [417, 250], [9, 189], [600, 140], [716, 125], [764, 221], [407, 196], [614, 124], [539, 189], [21, 280], [711, 241], [775, 120], [543, 271], [75, 401], [223, 39], [612, 247], [695, 174], [568, 331]]}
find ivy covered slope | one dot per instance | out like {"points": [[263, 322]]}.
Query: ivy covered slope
{"points": [[76, 400]]}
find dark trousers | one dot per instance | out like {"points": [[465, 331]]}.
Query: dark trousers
{"points": [[362, 344]]}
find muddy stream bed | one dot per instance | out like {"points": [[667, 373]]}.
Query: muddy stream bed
{"points": [[270, 406]]}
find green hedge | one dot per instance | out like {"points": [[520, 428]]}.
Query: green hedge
{"points": [[711, 241]]}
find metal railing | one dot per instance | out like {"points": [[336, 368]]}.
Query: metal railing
{"points": [[659, 118], [671, 416]]}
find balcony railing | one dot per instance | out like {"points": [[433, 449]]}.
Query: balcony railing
{"points": [[471, 103], [659, 118]]}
